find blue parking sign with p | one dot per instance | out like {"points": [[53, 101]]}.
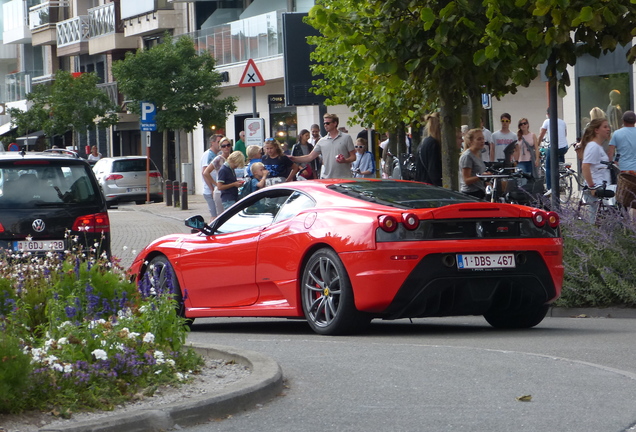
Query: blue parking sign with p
{"points": [[147, 117]]}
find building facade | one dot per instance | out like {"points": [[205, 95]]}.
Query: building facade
{"points": [[40, 37]]}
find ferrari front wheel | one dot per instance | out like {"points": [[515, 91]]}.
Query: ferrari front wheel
{"points": [[163, 280], [327, 297]]}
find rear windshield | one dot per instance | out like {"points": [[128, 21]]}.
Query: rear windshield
{"points": [[402, 194], [45, 184], [132, 165]]}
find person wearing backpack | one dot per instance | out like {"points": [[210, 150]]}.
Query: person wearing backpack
{"points": [[364, 165]]}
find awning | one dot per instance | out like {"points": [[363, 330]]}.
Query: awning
{"points": [[30, 138], [6, 128]]}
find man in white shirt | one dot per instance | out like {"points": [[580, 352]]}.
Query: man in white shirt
{"points": [[206, 159], [485, 152], [502, 139], [562, 139]]}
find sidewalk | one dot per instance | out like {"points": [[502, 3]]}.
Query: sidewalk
{"points": [[196, 206]]}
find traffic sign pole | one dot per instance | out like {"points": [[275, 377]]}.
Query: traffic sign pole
{"points": [[254, 102], [147, 167]]}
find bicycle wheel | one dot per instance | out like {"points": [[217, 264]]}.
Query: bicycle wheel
{"points": [[565, 188]]}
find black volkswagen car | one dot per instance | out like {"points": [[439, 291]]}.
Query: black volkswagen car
{"points": [[50, 201]]}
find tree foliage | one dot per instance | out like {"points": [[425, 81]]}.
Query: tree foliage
{"points": [[181, 82], [69, 103], [392, 61]]}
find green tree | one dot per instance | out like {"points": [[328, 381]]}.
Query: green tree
{"points": [[69, 103], [180, 81], [405, 57]]}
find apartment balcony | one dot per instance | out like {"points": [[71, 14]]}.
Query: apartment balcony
{"points": [[142, 17], [113, 93], [106, 31], [43, 19], [256, 37], [15, 15], [8, 52], [72, 36], [18, 85]]}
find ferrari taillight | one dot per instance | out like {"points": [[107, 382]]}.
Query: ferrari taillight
{"points": [[539, 218], [388, 223], [93, 223], [553, 219], [1, 228], [411, 221]]}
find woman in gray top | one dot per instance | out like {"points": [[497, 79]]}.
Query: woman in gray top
{"points": [[471, 164]]}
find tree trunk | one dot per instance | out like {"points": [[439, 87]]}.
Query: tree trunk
{"points": [[450, 149]]}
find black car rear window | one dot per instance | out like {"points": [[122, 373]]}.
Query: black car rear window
{"points": [[33, 185], [131, 165], [401, 194]]}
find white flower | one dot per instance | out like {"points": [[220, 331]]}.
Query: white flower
{"points": [[157, 372], [68, 368], [180, 376], [57, 367], [95, 323], [133, 335], [125, 248], [65, 324], [62, 341], [50, 360], [149, 338], [170, 362], [100, 354], [143, 308], [159, 357]]}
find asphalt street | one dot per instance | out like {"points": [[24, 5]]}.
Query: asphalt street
{"points": [[440, 374]]}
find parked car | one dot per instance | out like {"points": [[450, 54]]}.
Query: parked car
{"points": [[48, 199], [342, 252], [123, 179]]}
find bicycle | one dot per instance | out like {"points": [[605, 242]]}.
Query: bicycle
{"points": [[566, 173], [508, 179], [593, 207]]}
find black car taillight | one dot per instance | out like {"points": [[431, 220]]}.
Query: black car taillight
{"points": [[93, 223]]}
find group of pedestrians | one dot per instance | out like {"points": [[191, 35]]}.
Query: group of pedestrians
{"points": [[312, 157]]}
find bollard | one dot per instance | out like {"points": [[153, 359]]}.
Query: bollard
{"points": [[184, 195], [175, 192], [168, 192]]}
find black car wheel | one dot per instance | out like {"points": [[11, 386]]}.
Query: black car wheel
{"points": [[519, 319], [163, 280], [327, 297]]}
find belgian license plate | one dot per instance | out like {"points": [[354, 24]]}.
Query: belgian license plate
{"points": [[485, 261], [139, 189], [38, 245]]}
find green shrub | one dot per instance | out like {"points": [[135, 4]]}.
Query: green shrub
{"points": [[598, 261], [15, 374], [78, 335]]}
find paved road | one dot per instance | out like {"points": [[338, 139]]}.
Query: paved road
{"points": [[446, 374]]}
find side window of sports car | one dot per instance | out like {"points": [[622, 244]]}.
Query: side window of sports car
{"points": [[294, 205], [257, 214]]}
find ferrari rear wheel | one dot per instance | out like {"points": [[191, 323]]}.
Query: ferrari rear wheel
{"points": [[163, 280], [517, 320], [327, 297]]}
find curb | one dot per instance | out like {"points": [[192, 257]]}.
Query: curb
{"points": [[265, 382], [610, 312]]}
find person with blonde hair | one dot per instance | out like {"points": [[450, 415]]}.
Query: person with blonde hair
{"points": [[254, 154], [227, 182], [428, 166], [280, 167], [259, 176], [471, 164]]}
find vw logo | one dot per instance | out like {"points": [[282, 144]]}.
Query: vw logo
{"points": [[38, 225]]}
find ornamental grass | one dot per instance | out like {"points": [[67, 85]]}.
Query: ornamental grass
{"points": [[598, 260], [78, 335]]}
